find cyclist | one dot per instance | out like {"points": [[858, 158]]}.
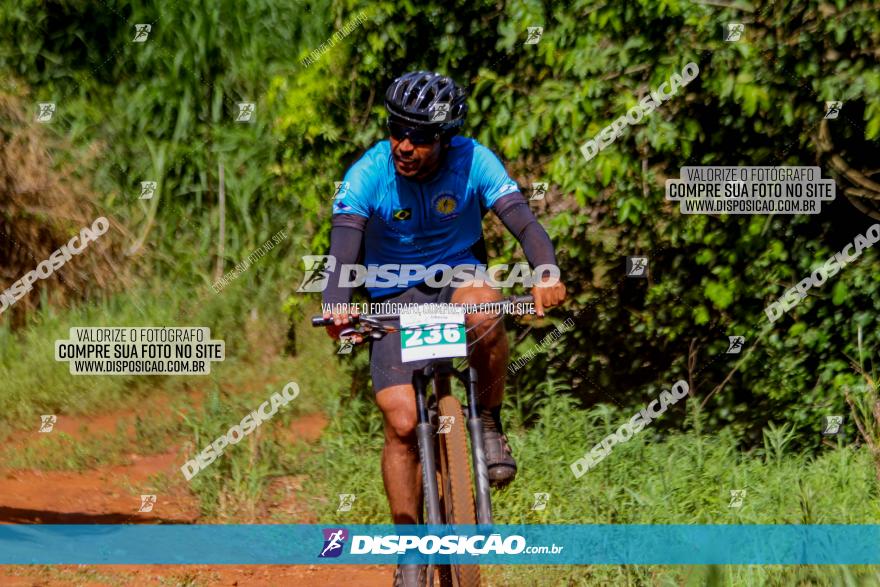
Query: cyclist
{"points": [[419, 199]]}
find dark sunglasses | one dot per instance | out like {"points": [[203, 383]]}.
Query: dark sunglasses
{"points": [[416, 136]]}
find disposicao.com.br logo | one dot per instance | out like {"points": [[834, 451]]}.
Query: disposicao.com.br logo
{"points": [[334, 541], [321, 268], [450, 544]]}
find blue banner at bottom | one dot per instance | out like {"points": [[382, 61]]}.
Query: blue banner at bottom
{"points": [[491, 545]]}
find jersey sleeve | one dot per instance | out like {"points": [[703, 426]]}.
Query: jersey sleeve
{"points": [[357, 191], [489, 177]]}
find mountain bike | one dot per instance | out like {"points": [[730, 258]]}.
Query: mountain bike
{"points": [[453, 495]]}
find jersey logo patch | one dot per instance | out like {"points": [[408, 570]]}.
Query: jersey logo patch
{"points": [[445, 205], [508, 188], [402, 214]]}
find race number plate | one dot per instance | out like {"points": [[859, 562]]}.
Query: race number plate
{"points": [[432, 335]]}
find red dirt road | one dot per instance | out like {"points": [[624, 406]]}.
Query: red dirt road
{"points": [[102, 496], [111, 495], [165, 575]]}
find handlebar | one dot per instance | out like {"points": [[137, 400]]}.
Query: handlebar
{"points": [[319, 321]]}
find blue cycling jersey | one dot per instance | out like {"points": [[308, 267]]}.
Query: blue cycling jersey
{"points": [[438, 221]]}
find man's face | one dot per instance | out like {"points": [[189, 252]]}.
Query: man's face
{"points": [[415, 161]]}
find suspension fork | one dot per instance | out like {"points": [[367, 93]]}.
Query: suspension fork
{"points": [[478, 453], [425, 437]]}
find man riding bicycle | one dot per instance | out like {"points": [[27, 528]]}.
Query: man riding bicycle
{"points": [[419, 198]]}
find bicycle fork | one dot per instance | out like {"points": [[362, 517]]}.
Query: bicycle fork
{"points": [[425, 437], [478, 454]]}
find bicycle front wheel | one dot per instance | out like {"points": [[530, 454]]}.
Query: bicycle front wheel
{"points": [[457, 488]]}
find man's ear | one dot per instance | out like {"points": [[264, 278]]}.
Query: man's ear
{"points": [[447, 139]]}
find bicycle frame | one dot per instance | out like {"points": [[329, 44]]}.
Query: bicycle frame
{"points": [[440, 372]]}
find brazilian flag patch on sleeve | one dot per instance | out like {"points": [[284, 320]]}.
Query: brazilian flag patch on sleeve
{"points": [[402, 214]]}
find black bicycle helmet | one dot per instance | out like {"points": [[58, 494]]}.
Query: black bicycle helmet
{"points": [[412, 99]]}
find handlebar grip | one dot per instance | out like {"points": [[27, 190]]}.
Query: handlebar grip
{"points": [[319, 321]]}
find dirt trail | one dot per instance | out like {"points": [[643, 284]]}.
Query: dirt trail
{"points": [[111, 495], [221, 575]]}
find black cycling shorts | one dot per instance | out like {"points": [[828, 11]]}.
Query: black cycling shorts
{"points": [[386, 368]]}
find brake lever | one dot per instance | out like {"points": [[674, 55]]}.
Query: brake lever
{"points": [[364, 334], [375, 330], [375, 324], [347, 332]]}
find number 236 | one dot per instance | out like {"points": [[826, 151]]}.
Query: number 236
{"points": [[449, 333]]}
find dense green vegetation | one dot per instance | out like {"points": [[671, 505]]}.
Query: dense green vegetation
{"points": [[681, 479], [164, 110]]}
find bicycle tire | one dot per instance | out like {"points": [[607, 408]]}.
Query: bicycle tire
{"points": [[458, 489]]}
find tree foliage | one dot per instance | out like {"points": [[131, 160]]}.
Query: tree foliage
{"points": [[165, 109]]}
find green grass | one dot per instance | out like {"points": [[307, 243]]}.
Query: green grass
{"points": [[32, 382], [61, 452], [684, 477], [233, 485]]}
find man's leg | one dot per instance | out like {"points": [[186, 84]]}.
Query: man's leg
{"points": [[400, 457], [489, 356]]}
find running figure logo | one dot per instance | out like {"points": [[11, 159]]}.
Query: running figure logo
{"points": [[47, 423], [736, 344], [45, 110], [534, 35], [439, 112], [446, 423], [832, 425], [737, 497], [341, 189], [141, 32], [539, 190], [346, 345], [636, 266], [832, 109], [148, 190], [318, 272], [346, 500], [245, 112], [541, 500], [147, 503], [334, 540], [734, 32]]}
